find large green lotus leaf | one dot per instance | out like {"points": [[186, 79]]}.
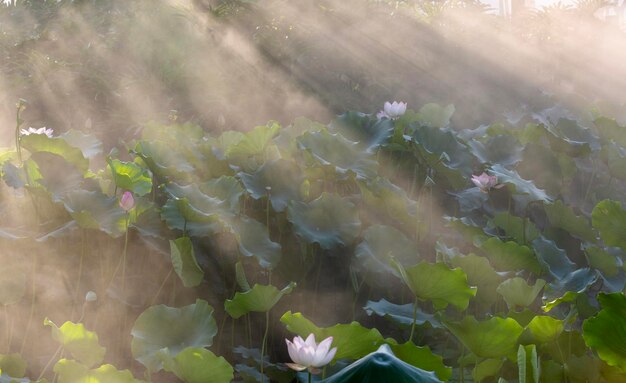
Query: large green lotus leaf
{"points": [[436, 116], [423, 358], [166, 329], [486, 368], [510, 256], [70, 371], [95, 210], [163, 159], [55, 174], [329, 220], [567, 289], [562, 216], [254, 241], [555, 259], [572, 341], [199, 365], [335, 150], [130, 176], [400, 314], [261, 298], [492, 338], [517, 293], [501, 149], [253, 142], [88, 144], [522, 186], [383, 366], [224, 188], [471, 199], [381, 242], [55, 145], [606, 332], [480, 274], [366, 129], [561, 143], [13, 176], [444, 150], [13, 365], [353, 341], [384, 198], [185, 263], [81, 343], [12, 285], [609, 219], [616, 160], [279, 179], [438, 283], [545, 329], [537, 156], [609, 129], [607, 263], [522, 230]]}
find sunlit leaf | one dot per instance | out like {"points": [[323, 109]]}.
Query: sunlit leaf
{"points": [[545, 329], [81, 343], [13, 365], [438, 283], [184, 262], [261, 298], [55, 145], [70, 371], [517, 293], [606, 332], [130, 176], [502, 339], [198, 365], [162, 329], [509, 256], [609, 219]]}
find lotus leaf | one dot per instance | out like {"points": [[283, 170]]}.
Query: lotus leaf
{"points": [[261, 298], [130, 176], [522, 186], [381, 242], [382, 365], [509, 256], [502, 339], [13, 365], [438, 283], [88, 144], [56, 145], [516, 292], [198, 365], [563, 217], [545, 329], [609, 219], [400, 314], [279, 180], [95, 210], [606, 332], [369, 131], [480, 274], [567, 289], [185, 263], [436, 116], [522, 230], [254, 240], [329, 220], [555, 259], [81, 343], [162, 329], [486, 368], [501, 149], [341, 154], [70, 371]]}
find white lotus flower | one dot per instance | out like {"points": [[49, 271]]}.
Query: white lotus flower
{"points": [[392, 110], [27, 132], [306, 354]]}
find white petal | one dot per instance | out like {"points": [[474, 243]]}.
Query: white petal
{"points": [[310, 341], [329, 357], [322, 350], [293, 352]]}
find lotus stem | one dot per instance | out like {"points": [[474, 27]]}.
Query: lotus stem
{"points": [[414, 320], [263, 345], [309, 376]]}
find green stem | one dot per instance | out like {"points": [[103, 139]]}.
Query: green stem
{"points": [[309, 376], [263, 345], [49, 363], [32, 304], [414, 320]]}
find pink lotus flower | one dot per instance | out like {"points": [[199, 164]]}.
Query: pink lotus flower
{"points": [[306, 354], [485, 182], [27, 132], [392, 110], [127, 202]]}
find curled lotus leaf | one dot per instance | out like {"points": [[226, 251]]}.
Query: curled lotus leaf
{"points": [[522, 186], [279, 180], [162, 329], [260, 298], [402, 315], [554, 259], [254, 241], [81, 343], [329, 220], [130, 176]]}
